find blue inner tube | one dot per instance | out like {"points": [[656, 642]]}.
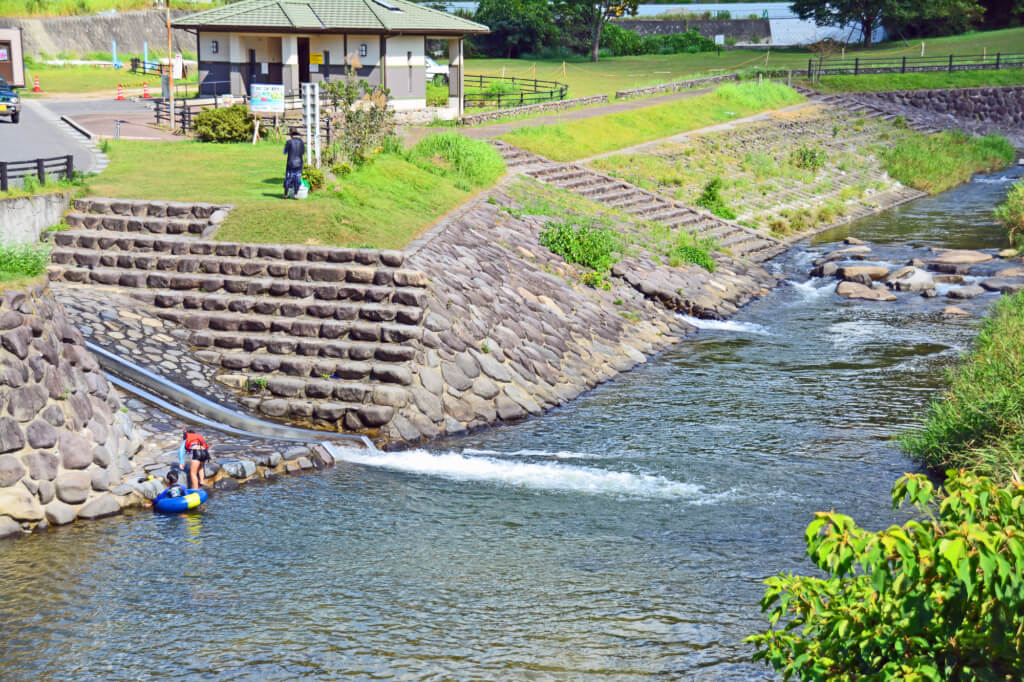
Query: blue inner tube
{"points": [[175, 505]]}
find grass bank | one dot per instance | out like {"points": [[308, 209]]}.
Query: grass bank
{"points": [[877, 82], [22, 262], [60, 79], [587, 137], [382, 205], [64, 8], [978, 423], [935, 163]]}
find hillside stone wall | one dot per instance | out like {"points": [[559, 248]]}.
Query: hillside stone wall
{"points": [[743, 30], [84, 34], [677, 86], [529, 109], [64, 439]]}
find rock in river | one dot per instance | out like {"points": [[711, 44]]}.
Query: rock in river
{"points": [[961, 257], [855, 290], [910, 279], [875, 272], [967, 291]]}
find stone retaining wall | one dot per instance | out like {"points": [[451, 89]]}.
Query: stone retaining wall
{"points": [[676, 86], [64, 440], [543, 107], [23, 219], [1003, 105], [743, 30], [84, 34]]}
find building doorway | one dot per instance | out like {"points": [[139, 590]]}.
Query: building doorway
{"points": [[6, 61], [303, 60]]}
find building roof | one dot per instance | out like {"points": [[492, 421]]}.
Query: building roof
{"points": [[320, 16]]}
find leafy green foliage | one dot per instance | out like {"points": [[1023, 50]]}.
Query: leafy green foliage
{"points": [[622, 42], [226, 124], [939, 598], [809, 158], [23, 260], [517, 26], [363, 118], [314, 177], [470, 163], [934, 163], [711, 199], [593, 247], [1011, 212], [979, 421], [869, 15], [690, 253]]}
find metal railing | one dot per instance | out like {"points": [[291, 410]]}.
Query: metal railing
{"points": [[525, 91], [953, 62], [185, 112], [55, 166]]}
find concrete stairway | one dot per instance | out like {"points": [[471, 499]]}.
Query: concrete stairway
{"points": [[516, 159], [141, 215], [315, 334], [741, 241], [851, 104]]}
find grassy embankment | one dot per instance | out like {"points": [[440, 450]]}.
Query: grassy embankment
{"points": [[64, 8], [588, 137], [382, 205], [21, 264], [876, 82], [935, 163]]}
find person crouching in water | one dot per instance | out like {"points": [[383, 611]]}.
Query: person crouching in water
{"points": [[195, 446], [173, 488]]}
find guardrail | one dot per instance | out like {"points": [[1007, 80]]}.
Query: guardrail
{"points": [[41, 168], [185, 112], [526, 91], [858, 65]]}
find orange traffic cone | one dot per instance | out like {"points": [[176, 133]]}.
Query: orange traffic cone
{"points": [[120, 93], [145, 90], [35, 84]]}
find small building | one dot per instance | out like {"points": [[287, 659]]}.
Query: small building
{"points": [[12, 66], [289, 42]]}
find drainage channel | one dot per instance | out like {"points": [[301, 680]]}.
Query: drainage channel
{"points": [[193, 407]]}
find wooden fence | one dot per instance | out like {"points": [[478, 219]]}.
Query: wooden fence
{"points": [[964, 62], [523, 91], [54, 166], [185, 112]]}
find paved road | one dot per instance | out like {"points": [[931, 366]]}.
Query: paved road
{"points": [[41, 134], [98, 116]]}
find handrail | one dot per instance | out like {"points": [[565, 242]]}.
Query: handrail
{"points": [[159, 391], [12, 170]]}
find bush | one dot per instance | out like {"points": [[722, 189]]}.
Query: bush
{"points": [[472, 163], [592, 247], [622, 42], [227, 124], [940, 598], [711, 199], [809, 158], [688, 253], [23, 260], [314, 177], [1011, 212]]}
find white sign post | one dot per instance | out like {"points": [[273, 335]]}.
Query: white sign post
{"points": [[311, 118], [178, 65]]}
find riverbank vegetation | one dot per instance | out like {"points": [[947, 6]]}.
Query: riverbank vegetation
{"points": [[931, 80], [978, 422], [591, 136], [380, 205], [935, 163], [22, 261], [1011, 212]]}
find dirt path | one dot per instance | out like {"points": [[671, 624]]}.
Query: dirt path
{"points": [[414, 134]]}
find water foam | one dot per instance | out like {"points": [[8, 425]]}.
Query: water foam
{"points": [[726, 325], [544, 454], [811, 289], [536, 475]]}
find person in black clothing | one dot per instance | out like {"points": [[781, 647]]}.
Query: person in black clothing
{"points": [[295, 149]]}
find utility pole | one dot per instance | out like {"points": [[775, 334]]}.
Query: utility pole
{"points": [[170, 66]]}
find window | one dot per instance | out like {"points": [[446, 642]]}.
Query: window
{"points": [[213, 47], [362, 50]]}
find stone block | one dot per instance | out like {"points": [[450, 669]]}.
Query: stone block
{"points": [[75, 451], [398, 333], [319, 388], [99, 479], [274, 408], [288, 387], [393, 353], [11, 437], [271, 459], [238, 468], [410, 278], [331, 412], [59, 514], [17, 341], [352, 370], [11, 470], [101, 507], [42, 466], [392, 374], [73, 486], [392, 396], [46, 492], [351, 393], [375, 415]]}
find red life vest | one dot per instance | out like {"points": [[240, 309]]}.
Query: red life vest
{"points": [[193, 440]]}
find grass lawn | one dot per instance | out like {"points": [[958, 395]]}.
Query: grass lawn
{"points": [[383, 205], [588, 137], [54, 79], [920, 81]]}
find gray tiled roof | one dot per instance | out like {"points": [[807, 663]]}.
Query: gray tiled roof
{"points": [[379, 16]]}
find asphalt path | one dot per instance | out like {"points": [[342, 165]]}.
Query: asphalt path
{"points": [[41, 134]]}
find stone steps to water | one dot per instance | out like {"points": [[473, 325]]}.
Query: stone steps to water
{"points": [[121, 223], [144, 215], [515, 157]]}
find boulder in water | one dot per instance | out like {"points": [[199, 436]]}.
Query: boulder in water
{"points": [[856, 290], [953, 311], [875, 272], [967, 291], [853, 241], [910, 279], [1009, 253], [961, 257]]}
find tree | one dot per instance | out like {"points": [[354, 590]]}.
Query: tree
{"points": [[940, 598], [517, 26], [871, 14], [591, 16]]}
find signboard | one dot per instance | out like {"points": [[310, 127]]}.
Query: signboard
{"points": [[720, 39], [4, 57], [178, 67], [316, 57], [266, 98]]}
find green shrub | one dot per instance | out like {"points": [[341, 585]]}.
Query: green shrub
{"points": [[809, 158], [593, 247], [711, 199], [23, 260], [688, 253], [935, 163], [939, 598], [226, 124], [314, 177], [622, 42], [1011, 212], [471, 163]]}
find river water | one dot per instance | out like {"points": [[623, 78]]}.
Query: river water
{"points": [[624, 536]]}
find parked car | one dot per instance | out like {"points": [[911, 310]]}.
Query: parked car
{"points": [[436, 72], [10, 103]]}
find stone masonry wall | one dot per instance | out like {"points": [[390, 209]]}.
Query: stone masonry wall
{"points": [[998, 105], [676, 86], [743, 30], [85, 34], [543, 107], [64, 440], [23, 219]]}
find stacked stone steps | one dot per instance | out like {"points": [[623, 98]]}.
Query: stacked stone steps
{"points": [[850, 104], [514, 157], [145, 216]]}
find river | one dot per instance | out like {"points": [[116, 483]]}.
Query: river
{"points": [[623, 536]]}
